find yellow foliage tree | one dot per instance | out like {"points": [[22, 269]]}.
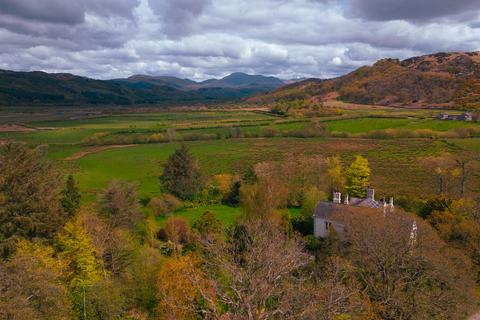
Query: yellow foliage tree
{"points": [[184, 291]]}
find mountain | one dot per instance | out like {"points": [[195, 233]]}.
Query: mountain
{"points": [[237, 80], [436, 80], [243, 80], [40, 88]]}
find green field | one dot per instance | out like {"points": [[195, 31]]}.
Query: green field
{"points": [[361, 125], [395, 163]]}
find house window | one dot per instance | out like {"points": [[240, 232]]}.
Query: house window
{"points": [[328, 225]]}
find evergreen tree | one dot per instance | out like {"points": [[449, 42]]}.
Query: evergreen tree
{"points": [[358, 177], [71, 197], [233, 197], [182, 175], [30, 195]]}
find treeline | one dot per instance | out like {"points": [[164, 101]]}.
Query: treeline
{"points": [[310, 130], [115, 259]]}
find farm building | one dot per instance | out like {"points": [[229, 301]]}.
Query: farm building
{"points": [[467, 116], [324, 213]]}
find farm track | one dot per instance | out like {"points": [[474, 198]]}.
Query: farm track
{"points": [[88, 151]]}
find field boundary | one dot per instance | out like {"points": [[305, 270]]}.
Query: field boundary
{"points": [[86, 152]]}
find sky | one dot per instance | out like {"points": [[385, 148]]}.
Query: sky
{"points": [[201, 39]]}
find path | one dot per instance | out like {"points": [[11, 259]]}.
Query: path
{"points": [[91, 150]]}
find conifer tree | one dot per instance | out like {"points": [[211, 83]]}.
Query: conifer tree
{"points": [[30, 194], [71, 197], [358, 177], [182, 175]]}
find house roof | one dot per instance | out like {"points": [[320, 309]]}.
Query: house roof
{"points": [[324, 210]]}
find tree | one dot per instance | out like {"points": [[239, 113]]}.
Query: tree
{"points": [[165, 204], [177, 231], [232, 198], [119, 204], [184, 291], [208, 226], [182, 175], [259, 273], [358, 175], [70, 197], [30, 195], [407, 274], [310, 200], [32, 285], [335, 173], [264, 197], [76, 248]]}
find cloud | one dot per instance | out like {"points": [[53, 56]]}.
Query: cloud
{"points": [[178, 16], [70, 12], [412, 10], [210, 38]]}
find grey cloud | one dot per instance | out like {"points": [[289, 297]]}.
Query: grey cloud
{"points": [[210, 38], [412, 10], [53, 11], [178, 16], [69, 12]]}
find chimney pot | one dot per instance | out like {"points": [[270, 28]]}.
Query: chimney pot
{"points": [[337, 197], [371, 193]]}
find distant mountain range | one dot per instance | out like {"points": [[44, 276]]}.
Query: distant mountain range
{"points": [[436, 80], [40, 88]]}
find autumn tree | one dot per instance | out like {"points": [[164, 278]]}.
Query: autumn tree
{"points": [[259, 273], [336, 178], [70, 196], [30, 193], [264, 197], [407, 272], [176, 231], [182, 175], [444, 168], [184, 291], [77, 250], [164, 204], [357, 177], [119, 204], [32, 285]]}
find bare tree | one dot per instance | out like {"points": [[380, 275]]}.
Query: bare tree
{"points": [[407, 271], [262, 268]]}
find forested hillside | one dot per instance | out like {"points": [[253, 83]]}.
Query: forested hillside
{"points": [[442, 79], [40, 88]]}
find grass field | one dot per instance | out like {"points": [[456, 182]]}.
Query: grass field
{"points": [[396, 165], [361, 125]]}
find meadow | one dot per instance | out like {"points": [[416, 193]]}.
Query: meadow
{"points": [[395, 163]]}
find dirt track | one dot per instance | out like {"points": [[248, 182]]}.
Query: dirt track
{"points": [[91, 150], [15, 128]]}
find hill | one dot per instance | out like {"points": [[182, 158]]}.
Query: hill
{"points": [[40, 88], [437, 80]]}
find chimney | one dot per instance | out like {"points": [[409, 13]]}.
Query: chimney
{"points": [[346, 201], [371, 193], [337, 197]]}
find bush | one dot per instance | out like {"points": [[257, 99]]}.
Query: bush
{"points": [[176, 230], [165, 204]]}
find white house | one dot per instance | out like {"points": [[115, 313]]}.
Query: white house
{"points": [[324, 211]]}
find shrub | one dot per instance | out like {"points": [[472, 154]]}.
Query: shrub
{"points": [[176, 230], [165, 204]]}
